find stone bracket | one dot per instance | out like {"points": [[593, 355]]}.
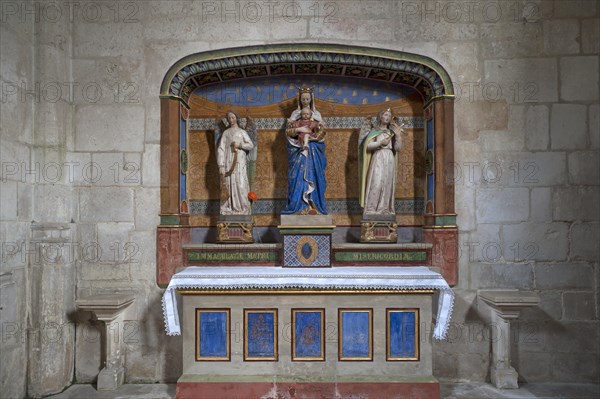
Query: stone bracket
{"points": [[108, 308], [501, 306]]}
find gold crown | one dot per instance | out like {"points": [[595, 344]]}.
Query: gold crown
{"points": [[305, 89]]}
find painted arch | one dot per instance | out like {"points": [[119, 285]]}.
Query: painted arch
{"points": [[422, 73]]}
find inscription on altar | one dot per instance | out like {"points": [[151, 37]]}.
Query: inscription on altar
{"points": [[381, 256], [232, 256]]}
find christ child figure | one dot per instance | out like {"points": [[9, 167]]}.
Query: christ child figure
{"points": [[307, 127]]}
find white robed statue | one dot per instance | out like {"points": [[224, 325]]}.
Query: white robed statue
{"points": [[232, 158], [378, 162]]}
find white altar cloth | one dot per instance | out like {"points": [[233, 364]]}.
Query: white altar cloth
{"points": [[360, 278]]}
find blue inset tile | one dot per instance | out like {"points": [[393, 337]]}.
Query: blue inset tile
{"points": [[212, 334], [308, 335], [402, 334], [261, 335], [355, 335]]}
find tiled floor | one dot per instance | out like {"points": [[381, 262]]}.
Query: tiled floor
{"points": [[449, 391]]}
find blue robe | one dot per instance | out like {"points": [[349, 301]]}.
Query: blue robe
{"points": [[306, 177]]}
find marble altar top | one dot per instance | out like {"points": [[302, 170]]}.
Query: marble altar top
{"points": [[277, 278]]}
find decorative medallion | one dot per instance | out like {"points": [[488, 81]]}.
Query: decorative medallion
{"points": [[183, 162], [328, 69], [306, 68], [379, 74], [283, 69], [307, 250], [356, 72], [207, 78], [256, 71], [429, 162], [231, 74], [405, 78]]}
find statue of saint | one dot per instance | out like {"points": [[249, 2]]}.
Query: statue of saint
{"points": [[306, 159], [377, 164], [232, 158]]}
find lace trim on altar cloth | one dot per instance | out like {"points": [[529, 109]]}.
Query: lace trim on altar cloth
{"points": [[365, 278]]}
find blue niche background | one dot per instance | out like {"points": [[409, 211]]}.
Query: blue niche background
{"points": [[275, 89]]}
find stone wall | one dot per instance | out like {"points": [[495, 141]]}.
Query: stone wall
{"points": [[527, 140], [16, 200], [38, 206]]}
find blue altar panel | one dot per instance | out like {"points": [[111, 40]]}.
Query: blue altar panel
{"points": [[212, 339], [308, 332], [355, 334], [260, 334], [402, 334]]}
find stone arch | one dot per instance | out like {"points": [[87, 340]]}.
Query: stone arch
{"points": [[422, 73]]}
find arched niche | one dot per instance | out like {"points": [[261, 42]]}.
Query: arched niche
{"points": [[423, 74]]}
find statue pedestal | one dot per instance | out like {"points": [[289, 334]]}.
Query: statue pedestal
{"points": [[378, 228], [306, 240], [235, 228]]}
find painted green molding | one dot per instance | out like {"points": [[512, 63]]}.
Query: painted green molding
{"points": [[232, 256], [347, 256]]}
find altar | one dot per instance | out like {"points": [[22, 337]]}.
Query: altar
{"points": [[308, 237], [251, 332]]}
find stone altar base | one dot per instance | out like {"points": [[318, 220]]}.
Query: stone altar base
{"points": [[306, 240], [235, 228], [329, 375]]}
